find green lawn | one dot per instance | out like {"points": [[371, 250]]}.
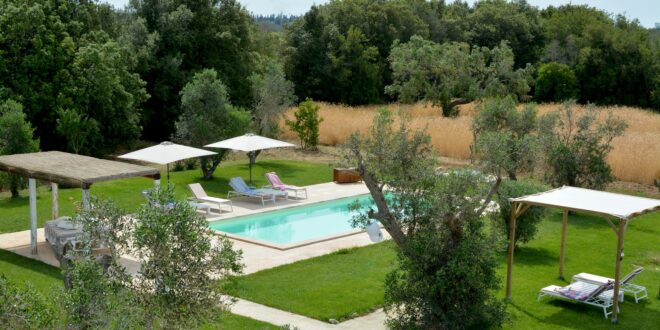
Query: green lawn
{"points": [[333, 286], [46, 278], [14, 213]]}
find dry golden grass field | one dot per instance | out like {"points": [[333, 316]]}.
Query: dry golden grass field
{"points": [[635, 158]]}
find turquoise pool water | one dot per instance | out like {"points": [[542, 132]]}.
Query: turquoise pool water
{"points": [[295, 224]]}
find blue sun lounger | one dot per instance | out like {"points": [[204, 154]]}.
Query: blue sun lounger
{"points": [[242, 189]]}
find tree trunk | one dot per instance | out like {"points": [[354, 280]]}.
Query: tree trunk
{"points": [[208, 166], [14, 185], [448, 109], [512, 175], [384, 215]]}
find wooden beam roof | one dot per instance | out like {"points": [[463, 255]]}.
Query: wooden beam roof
{"points": [[71, 169]]}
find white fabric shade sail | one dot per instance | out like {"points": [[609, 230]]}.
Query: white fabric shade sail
{"points": [[616, 209], [594, 201], [250, 142]]}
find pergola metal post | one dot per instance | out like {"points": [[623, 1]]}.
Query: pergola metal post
{"points": [[32, 187], [617, 269], [85, 196], [55, 208], [562, 253]]}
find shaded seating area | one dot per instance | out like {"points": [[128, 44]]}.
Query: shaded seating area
{"points": [[61, 168], [616, 209], [60, 232]]}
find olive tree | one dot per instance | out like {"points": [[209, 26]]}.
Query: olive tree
{"points": [[451, 74], [273, 94], [16, 137], [505, 137], [181, 259], [436, 224], [576, 146], [208, 117]]}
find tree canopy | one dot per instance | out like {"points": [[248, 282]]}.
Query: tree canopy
{"points": [[450, 74], [93, 79]]}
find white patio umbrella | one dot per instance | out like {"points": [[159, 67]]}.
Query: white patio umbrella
{"points": [[250, 143], [166, 153]]}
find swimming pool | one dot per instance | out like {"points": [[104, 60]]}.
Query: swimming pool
{"points": [[294, 226]]}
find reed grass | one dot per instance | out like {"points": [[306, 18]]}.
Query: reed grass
{"points": [[635, 157]]}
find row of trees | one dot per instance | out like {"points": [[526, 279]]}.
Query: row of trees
{"points": [[345, 51], [92, 78]]}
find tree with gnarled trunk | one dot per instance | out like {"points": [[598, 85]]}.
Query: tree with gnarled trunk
{"points": [[451, 74], [209, 117], [437, 225]]}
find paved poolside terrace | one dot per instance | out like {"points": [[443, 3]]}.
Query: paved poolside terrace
{"points": [[255, 257]]}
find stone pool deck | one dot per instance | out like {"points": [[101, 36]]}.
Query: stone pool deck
{"points": [[255, 257]]}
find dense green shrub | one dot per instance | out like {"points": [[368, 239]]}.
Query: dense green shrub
{"points": [[306, 124], [526, 224], [505, 138], [576, 146], [16, 137], [24, 308], [555, 82], [178, 273]]}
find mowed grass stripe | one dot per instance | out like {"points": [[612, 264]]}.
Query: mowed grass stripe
{"points": [[333, 286]]}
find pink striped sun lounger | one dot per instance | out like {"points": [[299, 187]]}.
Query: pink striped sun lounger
{"points": [[276, 183]]}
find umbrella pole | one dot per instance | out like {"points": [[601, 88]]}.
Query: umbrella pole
{"points": [[168, 173]]}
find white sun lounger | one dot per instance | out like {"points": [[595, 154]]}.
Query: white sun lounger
{"points": [[200, 195], [638, 291], [585, 293]]}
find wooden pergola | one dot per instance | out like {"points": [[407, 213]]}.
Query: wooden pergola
{"points": [[611, 206], [68, 169]]}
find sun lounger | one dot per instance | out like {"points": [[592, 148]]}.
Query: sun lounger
{"points": [[200, 195], [638, 291], [276, 183], [582, 292], [242, 189]]}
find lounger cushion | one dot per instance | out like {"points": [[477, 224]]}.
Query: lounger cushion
{"points": [[574, 294]]}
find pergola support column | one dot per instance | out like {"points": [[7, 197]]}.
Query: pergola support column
{"points": [[55, 208], [32, 187], [617, 269], [562, 253], [85, 196]]}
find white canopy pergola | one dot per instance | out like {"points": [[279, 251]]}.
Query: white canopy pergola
{"points": [[611, 206], [250, 143], [166, 153]]}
